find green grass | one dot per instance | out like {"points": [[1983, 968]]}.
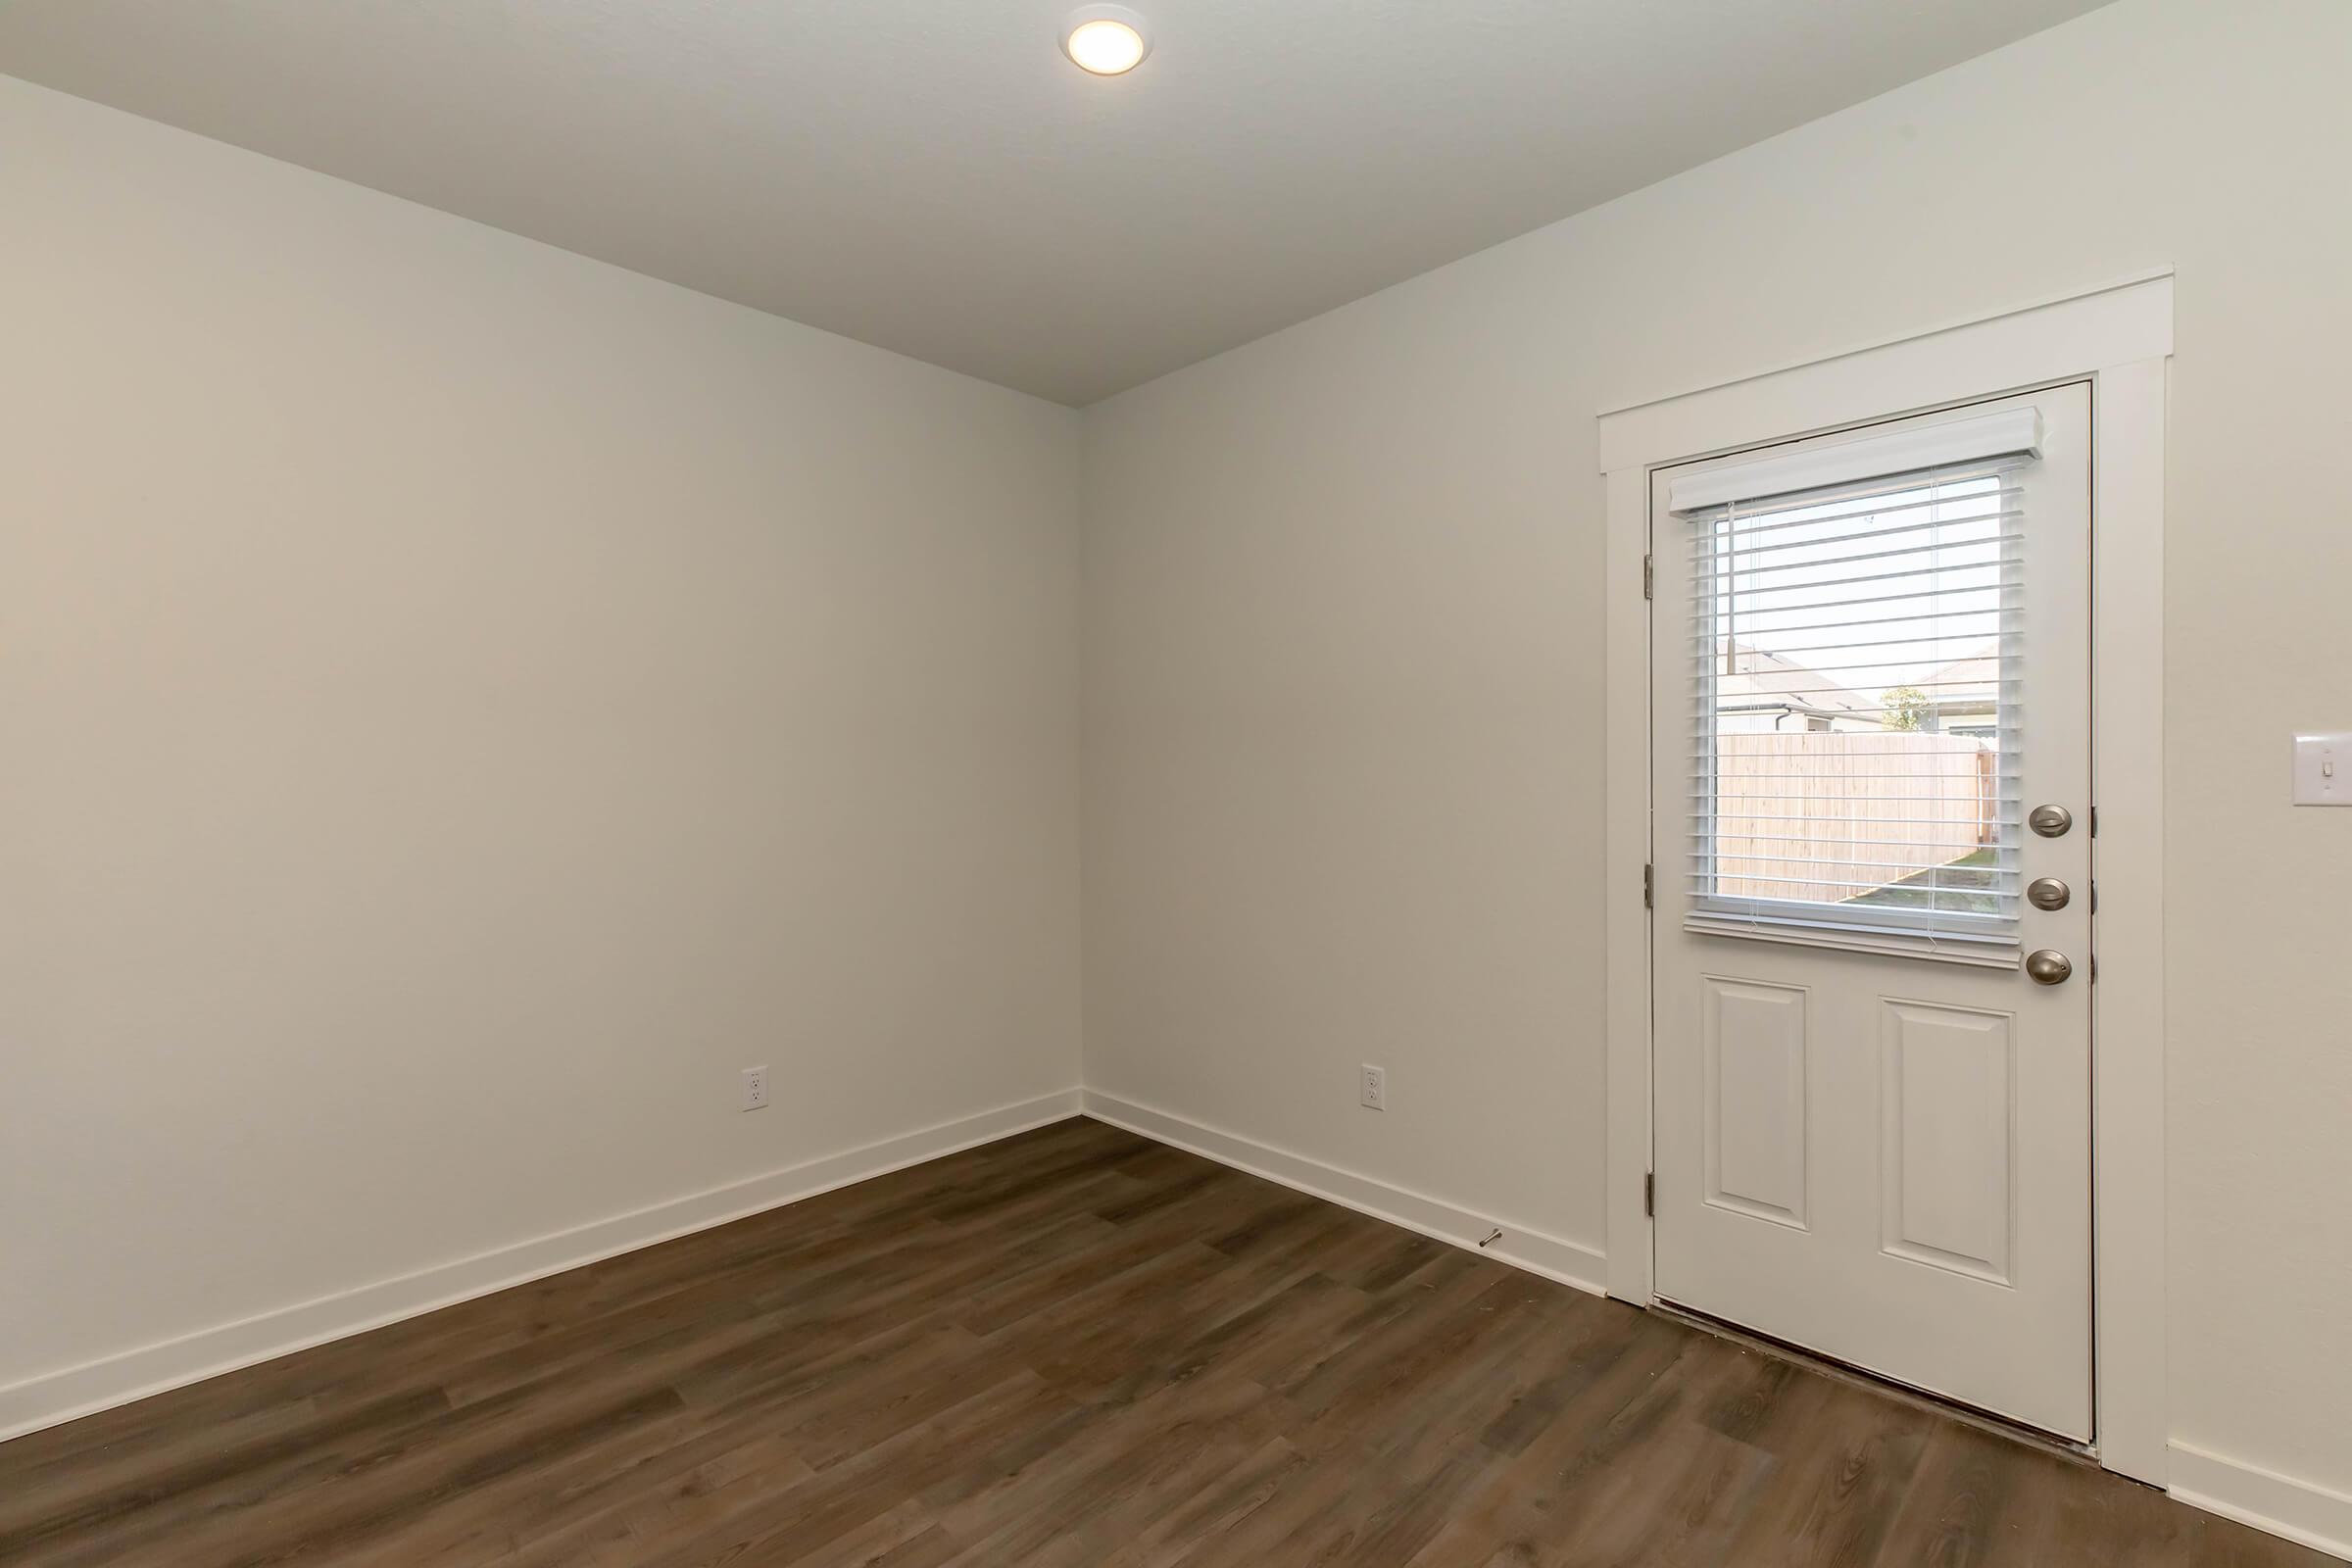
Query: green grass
{"points": [[1965, 885]]}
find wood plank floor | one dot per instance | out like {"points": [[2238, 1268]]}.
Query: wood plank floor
{"points": [[1071, 1348]]}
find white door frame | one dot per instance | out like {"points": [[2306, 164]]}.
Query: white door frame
{"points": [[2119, 338]]}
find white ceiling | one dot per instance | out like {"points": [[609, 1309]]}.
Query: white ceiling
{"points": [[933, 176]]}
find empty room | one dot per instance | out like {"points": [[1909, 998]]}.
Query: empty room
{"points": [[1182, 784]]}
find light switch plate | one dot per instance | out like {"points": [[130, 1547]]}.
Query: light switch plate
{"points": [[2323, 770]]}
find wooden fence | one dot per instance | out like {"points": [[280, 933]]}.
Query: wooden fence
{"points": [[1830, 816]]}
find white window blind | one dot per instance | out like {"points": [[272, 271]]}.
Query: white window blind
{"points": [[1856, 681]]}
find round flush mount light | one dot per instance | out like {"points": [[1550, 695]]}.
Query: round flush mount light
{"points": [[1107, 40]]}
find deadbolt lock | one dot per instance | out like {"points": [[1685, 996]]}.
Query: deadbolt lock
{"points": [[2048, 893], [2051, 822]]}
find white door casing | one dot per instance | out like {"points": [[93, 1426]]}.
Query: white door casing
{"points": [[2119, 337], [1871, 1142]]}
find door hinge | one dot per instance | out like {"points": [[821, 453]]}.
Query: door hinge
{"points": [[1649, 1193], [1649, 576], [1649, 887]]}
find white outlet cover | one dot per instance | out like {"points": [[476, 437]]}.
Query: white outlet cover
{"points": [[2324, 769], [754, 1088]]}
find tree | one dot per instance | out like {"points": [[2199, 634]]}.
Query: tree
{"points": [[1904, 708]]}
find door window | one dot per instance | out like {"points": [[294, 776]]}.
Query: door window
{"points": [[1855, 685]]}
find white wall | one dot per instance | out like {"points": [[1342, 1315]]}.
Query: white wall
{"points": [[460, 702], [1344, 638]]}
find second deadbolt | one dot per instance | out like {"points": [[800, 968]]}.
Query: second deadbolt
{"points": [[2048, 893], [2051, 822]]}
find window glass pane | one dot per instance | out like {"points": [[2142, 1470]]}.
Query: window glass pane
{"points": [[1857, 700]]}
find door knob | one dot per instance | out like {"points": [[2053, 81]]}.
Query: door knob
{"points": [[2047, 966], [2051, 822], [2047, 892]]}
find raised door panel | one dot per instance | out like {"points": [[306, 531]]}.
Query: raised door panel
{"points": [[1949, 1137], [1755, 1037]]}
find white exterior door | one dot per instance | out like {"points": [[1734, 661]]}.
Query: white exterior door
{"points": [[1871, 666]]}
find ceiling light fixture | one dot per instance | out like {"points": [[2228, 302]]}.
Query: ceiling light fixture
{"points": [[1107, 40]]}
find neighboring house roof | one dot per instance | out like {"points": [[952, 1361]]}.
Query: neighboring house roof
{"points": [[1761, 680], [1971, 681]]}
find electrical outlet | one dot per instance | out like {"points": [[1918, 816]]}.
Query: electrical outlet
{"points": [[754, 1088], [1373, 1087]]}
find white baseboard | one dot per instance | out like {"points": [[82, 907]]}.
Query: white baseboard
{"points": [[1553, 1256], [62, 1396], [2302, 1511]]}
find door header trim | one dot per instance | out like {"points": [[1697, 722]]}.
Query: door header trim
{"points": [[2126, 283], [2050, 342]]}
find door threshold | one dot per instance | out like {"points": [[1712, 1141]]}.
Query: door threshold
{"points": [[1846, 1372]]}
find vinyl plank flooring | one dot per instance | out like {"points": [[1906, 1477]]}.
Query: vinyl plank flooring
{"points": [[1074, 1348]]}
